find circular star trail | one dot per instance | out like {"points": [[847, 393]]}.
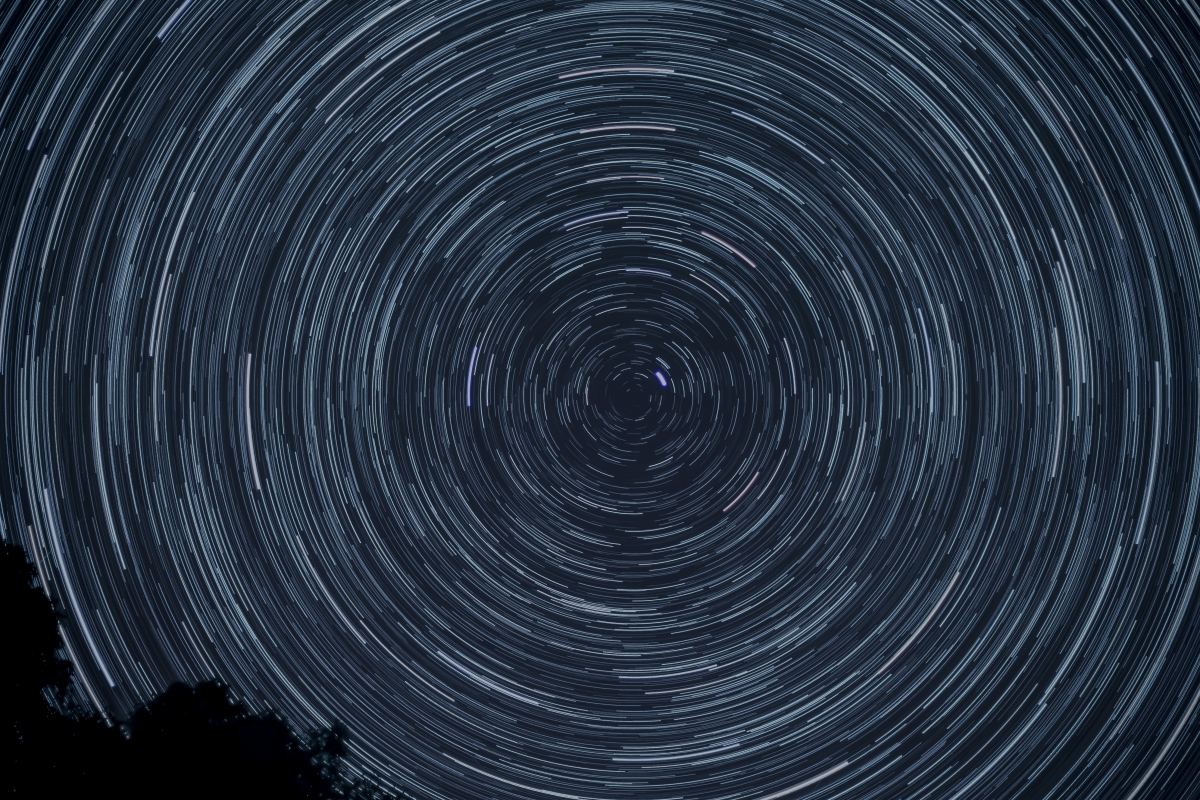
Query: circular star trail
{"points": [[604, 400]]}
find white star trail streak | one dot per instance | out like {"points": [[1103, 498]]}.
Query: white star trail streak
{"points": [[622, 400]]}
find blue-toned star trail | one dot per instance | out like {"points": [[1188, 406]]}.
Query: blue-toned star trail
{"points": [[622, 400]]}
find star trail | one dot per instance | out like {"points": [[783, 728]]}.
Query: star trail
{"points": [[622, 400]]}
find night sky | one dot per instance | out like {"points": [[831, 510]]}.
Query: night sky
{"points": [[622, 400]]}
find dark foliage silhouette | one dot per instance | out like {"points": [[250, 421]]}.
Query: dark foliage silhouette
{"points": [[46, 752], [189, 742], [200, 732]]}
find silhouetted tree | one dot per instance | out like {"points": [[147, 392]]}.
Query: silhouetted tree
{"points": [[46, 753], [189, 742]]}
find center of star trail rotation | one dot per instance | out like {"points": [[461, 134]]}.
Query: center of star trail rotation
{"points": [[619, 399]]}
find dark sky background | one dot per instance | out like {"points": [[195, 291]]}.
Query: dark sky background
{"points": [[621, 400]]}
